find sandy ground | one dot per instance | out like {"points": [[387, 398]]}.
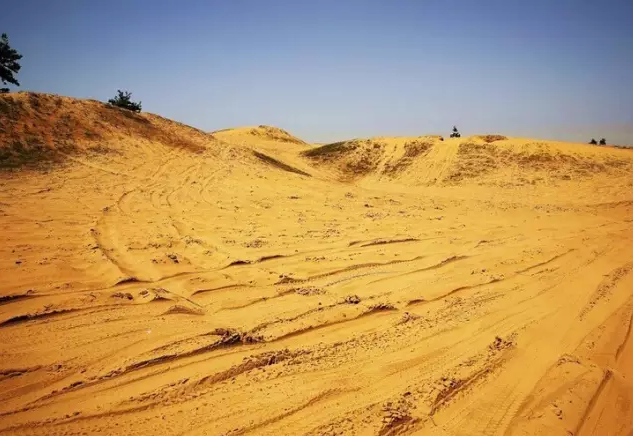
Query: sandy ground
{"points": [[167, 281]]}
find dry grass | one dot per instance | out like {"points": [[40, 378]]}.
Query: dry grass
{"points": [[36, 128], [537, 159], [329, 151], [412, 150], [492, 138]]}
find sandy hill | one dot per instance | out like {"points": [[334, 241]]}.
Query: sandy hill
{"points": [[260, 134], [42, 127], [271, 145], [157, 279], [487, 159]]}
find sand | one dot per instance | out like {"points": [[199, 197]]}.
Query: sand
{"points": [[157, 279]]}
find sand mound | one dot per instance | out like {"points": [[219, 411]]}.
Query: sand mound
{"points": [[484, 159], [360, 158], [259, 133], [523, 161], [36, 128], [274, 133], [352, 158]]}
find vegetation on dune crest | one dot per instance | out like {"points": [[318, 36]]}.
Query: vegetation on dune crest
{"points": [[493, 138], [593, 142], [455, 133], [41, 129], [123, 100], [328, 149], [603, 141], [9, 64]]}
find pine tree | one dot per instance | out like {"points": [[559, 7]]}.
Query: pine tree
{"points": [[9, 65], [123, 100]]}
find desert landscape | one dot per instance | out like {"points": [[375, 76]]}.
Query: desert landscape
{"points": [[159, 279]]}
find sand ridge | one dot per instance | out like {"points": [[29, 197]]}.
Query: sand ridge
{"points": [[160, 279]]}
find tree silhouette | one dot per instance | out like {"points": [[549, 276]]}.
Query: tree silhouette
{"points": [[123, 100], [455, 133], [593, 142], [9, 65], [603, 141]]}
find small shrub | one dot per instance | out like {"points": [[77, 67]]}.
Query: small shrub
{"points": [[123, 100], [455, 133], [593, 142], [603, 141]]}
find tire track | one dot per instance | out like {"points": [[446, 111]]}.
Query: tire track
{"points": [[592, 403], [605, 287]]}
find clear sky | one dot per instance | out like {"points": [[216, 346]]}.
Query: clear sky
{"points": [[336, 69]]}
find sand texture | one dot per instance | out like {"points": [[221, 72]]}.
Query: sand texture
{"points": [[157, 279]]}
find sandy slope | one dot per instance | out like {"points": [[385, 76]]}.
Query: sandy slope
{"points": [[160, 280]]}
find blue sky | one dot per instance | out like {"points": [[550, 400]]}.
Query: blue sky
{"points": [[328, 70]]}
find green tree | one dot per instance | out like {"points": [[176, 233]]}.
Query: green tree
{"points": [[9, 65], [123, 100], [593, 142]]}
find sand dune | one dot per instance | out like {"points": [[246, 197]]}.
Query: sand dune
{"points": [[157, 279]]}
